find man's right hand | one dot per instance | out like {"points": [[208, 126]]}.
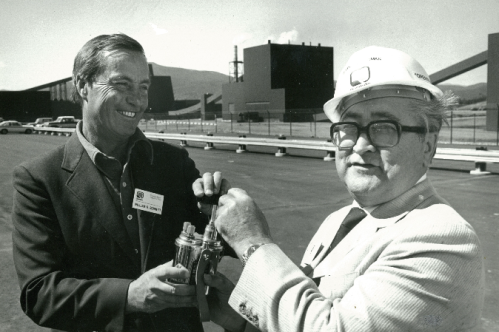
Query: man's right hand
{"points": [[152, 291]]}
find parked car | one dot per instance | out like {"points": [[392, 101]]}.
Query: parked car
{"points": [[15, 127], [62, 122], [39, 121]]}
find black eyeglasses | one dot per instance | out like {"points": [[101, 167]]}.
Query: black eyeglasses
{"points": [[381, 133]]}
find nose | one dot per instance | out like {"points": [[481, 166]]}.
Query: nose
{"points": [[363, 145]]}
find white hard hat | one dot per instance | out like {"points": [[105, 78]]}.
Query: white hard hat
{"points": [[376, 66]]}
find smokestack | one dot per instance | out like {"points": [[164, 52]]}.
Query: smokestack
{"points": [[236, 74]]}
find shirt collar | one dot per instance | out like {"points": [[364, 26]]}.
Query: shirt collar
{"points": [[370, 209], [137, 137]]}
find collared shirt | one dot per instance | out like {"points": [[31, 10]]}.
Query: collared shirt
{"points": [[370, 209], [118, 179]]}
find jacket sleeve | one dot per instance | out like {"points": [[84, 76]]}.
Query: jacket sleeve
{"points": [[424, 280], [50, 295]]}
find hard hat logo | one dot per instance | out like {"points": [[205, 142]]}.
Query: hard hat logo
{"points": [[360, 76], [377, 68]]}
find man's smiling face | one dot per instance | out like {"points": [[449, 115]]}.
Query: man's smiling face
{"points": [[118, 97], [377, 175]]}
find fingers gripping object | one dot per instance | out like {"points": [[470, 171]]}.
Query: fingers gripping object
{"points": [[199, 255], [212, 200]]}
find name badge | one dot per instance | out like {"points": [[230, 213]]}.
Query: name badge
{"points": [[147, 201]]}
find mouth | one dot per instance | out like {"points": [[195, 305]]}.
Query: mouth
{"points": [[129, 115], [364, 166]]}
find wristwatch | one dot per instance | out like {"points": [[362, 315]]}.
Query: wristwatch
{"points": [[248, 252]]}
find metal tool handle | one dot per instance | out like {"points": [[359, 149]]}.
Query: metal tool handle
{"points": [[212, 200], [209, 259]]}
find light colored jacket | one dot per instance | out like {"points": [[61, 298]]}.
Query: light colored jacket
{"points": [[413, 264]]}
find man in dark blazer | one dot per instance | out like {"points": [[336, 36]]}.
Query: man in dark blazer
{"points": [[90, 254]]}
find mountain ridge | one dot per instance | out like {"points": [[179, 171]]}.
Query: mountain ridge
{"points": [[191, 83]]}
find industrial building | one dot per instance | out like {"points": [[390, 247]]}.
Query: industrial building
{"points": [[283, 82]]}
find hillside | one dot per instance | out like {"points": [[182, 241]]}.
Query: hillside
{"points": [[470, 92], [191, 84]]}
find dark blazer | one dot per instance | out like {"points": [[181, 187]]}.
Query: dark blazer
{"points": [[73, 255]]}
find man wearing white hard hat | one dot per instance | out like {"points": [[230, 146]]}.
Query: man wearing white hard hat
{"points": [[399, 258]]}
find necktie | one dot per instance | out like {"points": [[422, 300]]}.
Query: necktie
{"points": [[351, 220]]}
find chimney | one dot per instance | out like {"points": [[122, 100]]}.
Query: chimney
{"points": [[236, 74]]}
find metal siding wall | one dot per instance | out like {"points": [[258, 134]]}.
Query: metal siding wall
{"points": [[233, 93], [257, 73], [305, 72], [161, 99], [25, 105], [493, 83]]}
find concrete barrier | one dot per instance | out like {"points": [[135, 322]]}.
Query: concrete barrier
{"points": [[480, 156]]}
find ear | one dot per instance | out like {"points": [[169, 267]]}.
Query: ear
{"points": [[430, 148], [81, 87]]}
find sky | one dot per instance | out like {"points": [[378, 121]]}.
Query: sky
{"points": [[40, 38]]}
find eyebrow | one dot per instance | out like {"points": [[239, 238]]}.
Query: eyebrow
{"points": [[385, 114], [380, 114], [126, 78]]}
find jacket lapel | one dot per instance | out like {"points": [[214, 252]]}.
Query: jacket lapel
{"points": [[386, 215], [363, 230], [316, 250], [88, 186], [141, 170]]}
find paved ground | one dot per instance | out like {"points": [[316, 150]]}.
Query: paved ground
{"points": [[295, 193]]}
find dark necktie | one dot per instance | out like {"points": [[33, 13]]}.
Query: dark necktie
{"points": [[351, 220]]}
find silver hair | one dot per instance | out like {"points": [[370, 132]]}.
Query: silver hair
{"points": [[434, 112]]}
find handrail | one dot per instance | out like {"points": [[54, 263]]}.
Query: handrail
{"points": [[479, 157], [54, 131], [273, 142]]}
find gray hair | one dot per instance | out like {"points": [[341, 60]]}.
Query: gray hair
{"points": [[89, 62], [434, 112]]}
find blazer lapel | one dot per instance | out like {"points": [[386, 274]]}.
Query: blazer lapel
{"points": [[319, 249], [87, 184], [141, 170], [363, 230], [385, 215], [147, 220]]}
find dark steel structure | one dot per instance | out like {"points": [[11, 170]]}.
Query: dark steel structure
{"points": [[489, 57], [25, 106], [281, 81], [161, 99]]}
